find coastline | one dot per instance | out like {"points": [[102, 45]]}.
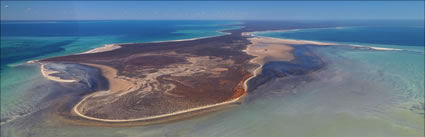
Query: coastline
{"points": [[110, 47], [75, 110], [281, 51], [111, 75], [114, 46]]}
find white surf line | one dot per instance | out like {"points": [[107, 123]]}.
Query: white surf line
{"points": [[375, 48], [75, 110]]}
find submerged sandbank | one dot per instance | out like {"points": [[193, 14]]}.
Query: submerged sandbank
{"points": [[48, 74]]}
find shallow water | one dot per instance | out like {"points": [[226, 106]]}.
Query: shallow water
{"points": [[346, 98]]}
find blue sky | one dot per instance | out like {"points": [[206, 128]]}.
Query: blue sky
{"points": [[235, 10]]}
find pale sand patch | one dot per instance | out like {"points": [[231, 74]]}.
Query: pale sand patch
{"points": [[296, 42], [107, 47], [272, 49], [304, 42], [219, 69], [47, 74], [117, 84]]}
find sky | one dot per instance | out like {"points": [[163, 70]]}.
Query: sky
{"points": [[210, 10]]}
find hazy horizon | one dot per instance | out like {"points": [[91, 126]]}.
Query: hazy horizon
{"points": [[212, 10]]}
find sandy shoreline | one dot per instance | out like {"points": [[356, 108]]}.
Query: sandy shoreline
{"points": [[110, 47], [75, 110], [267, 49], [106, 47]]}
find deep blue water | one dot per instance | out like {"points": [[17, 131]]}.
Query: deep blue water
{"points": [[394, 35], [92, 28], [26, 40]]}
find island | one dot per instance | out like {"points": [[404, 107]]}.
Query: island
{"points": [[162, 81]]}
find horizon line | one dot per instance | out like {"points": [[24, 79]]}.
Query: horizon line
{"points": [[197, 19]]}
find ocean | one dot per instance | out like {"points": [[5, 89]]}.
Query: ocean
{"points": [[361, 90]]}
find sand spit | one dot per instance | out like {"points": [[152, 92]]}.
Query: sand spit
{"points": [[107, 47], [319, 43], [299, 42], [48, 74]]}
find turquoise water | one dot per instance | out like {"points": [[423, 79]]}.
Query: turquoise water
{"points": [[30, 40], [376, 92], [406, 67]]}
